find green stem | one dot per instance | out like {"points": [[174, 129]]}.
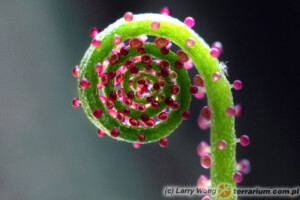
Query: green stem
{"points": [[218, 93]]}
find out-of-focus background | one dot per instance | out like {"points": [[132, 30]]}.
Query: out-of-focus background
{"points": [[49, 150]]}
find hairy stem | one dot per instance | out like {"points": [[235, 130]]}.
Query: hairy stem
{"points": [[218, 93]]}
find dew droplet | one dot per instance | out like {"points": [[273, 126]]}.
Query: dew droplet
{"points": [[101, 133], [244, 166], [237, 85], [244, 140], [76, 102], [222, 144], [155, 25], [128, 16], [190, 42], [115, 132], [97, 113], [75, 71], [165, 11], [237, 177], [216, 76], [96, 42], [163, 142], [189, 21], [230, 111], [94, 32], [117, 39], [203, 148]]}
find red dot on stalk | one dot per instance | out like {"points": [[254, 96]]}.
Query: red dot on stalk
{"points": [[127, 101], [244, 166], [168, 101], [129, 64], [206, 161], [146, 59], [134, 70], [214, 53], [237, 85], [203, 148], [124, 51], [162, 42], [155, 104], [186, 114], [163, 142], [105, 79], [120, 116], [84, 83], [203, 182], [155, 25], [150, 123], [141, 82], [112, 96], [222, 144], [142, 50], [189, 21], [216, 76], [134, 122], [206, 113], [144, 117], [175, 105], [164, 72], [175, 89], [76, 102], [115, 132], [136, 43], [244, 140], [237, 177], [182, 56], [239, 109], [109, 104], [97, 113], [130, 94], [190, 42], [173, 75], [98, 68], [217, 45], [165, 50], [149, 99], [156, 86], [136, 145], [96, 42], [101, 133], [178, 64], [141, 107], [117, 39], [193, 89], [94, 32], [141, 138], [114, 58], [198, 80], [111, 74], [164, 64], [230, 111], [163, 116], [128, 16], [119, 77], [126, 111], [165, 11], [76, 71]]}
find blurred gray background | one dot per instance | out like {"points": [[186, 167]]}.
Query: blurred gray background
{"points": [[49, 150]]}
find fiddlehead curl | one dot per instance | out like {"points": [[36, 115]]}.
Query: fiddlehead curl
{"points": [[145, 91]]}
